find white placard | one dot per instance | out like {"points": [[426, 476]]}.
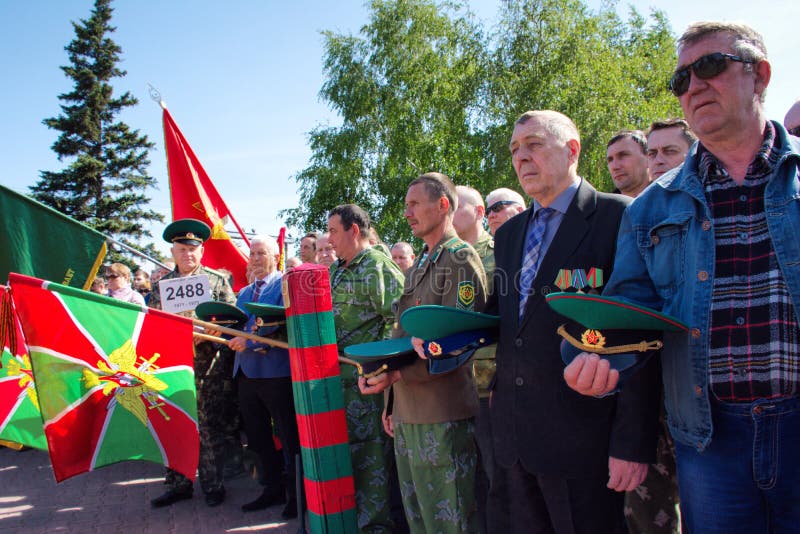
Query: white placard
{"points": [[183, 294]]}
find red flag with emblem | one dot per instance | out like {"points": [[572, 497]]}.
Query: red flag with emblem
{"points": [[114, 380], [194, 196]]}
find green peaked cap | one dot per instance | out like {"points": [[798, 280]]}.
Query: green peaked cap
{"points": [[387, 348], [434, 322], [187, 231], [220, 313], [266, 311], [598, 312]]}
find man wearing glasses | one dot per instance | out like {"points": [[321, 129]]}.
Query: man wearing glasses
{"points": [[503, 204], [715, 245]]}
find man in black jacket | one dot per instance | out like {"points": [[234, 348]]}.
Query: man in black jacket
{"points": [[564, 458]]}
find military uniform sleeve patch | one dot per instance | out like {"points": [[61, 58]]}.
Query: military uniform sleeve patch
{"points": [[466, 295]]}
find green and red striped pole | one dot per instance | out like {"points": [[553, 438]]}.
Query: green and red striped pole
{"points": [[327, 470]]}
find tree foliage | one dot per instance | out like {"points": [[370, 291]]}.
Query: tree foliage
{"points": [[105, 182], [424, 86]]}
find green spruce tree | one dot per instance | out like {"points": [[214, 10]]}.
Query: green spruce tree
{"points": [[105, 183]]}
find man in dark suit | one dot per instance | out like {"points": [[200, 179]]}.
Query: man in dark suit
{"points": [[562, 457]]}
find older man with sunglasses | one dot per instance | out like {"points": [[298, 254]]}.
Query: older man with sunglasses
{"points": [[502, 204], [715, 244]]}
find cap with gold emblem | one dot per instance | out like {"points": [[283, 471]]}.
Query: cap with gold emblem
{"points": [[379, 356], [625, 334], [221, 313], [187, 231], [270, 319]]}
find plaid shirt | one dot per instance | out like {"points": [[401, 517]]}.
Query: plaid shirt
{"points": [[755, 339]]}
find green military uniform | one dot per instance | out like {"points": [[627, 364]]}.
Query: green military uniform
{"points": [[209, 377], [483, 366], [653, 507], [363, 292], [433, 414]]}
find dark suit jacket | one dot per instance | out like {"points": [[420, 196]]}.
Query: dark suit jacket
{"points": [[536, 418]]}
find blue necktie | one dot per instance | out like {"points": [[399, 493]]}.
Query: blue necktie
{"points": [[530, 261]]}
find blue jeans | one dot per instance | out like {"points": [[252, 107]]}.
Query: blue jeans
{"points": [[748, 480]]}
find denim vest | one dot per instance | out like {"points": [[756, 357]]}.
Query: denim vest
{"points": [[665, 260]]}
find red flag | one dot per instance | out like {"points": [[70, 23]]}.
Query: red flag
{"points": [[114, 380], [194, 196], [282, 249]]}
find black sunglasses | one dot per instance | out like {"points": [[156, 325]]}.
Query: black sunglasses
{"points": [[111, 276], [704, 68], [498, 206]]}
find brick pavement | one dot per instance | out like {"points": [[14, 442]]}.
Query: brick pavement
{"points": [[117, 499]]}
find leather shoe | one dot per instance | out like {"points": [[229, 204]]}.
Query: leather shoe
{"points": [[265, 500], [290, 510], [171, 496], [215, 497]]}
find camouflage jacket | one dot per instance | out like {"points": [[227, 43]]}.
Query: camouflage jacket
{"points": [[363, 293], [484, 246], [483, 366]]}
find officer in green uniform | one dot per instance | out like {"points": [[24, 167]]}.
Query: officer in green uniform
{"points": [[365, 283], [468, 222], [433, 414], [187, 237]]}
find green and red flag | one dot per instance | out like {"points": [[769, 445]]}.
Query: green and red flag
{"points": [[39, 241], [20, 418], [114, 380]]}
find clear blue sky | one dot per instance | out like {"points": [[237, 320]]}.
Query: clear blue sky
{"points": [[241, 79]]}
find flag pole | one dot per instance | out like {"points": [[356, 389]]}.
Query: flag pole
{"points": [[137, 252], [155, 95], [268, 341], [239, 333]]}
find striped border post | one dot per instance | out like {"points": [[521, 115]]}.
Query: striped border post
{"points": [[327, 471]]}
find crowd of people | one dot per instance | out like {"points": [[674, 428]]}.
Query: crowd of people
{"points": [[701, 226]]}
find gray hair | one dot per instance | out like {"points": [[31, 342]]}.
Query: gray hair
{"points": [[504, 193], [557, 124], [267, 241], [747, 42]]}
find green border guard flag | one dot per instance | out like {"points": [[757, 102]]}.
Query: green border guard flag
{"points": [[39, 241], [114, 381]]}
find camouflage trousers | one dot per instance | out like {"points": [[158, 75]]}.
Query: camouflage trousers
{"points": [[436, 468], [234, 450], [368, 453], [652, 507], [209, 379]]}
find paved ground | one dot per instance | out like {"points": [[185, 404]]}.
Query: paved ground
{"points": [[117, 499]]}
